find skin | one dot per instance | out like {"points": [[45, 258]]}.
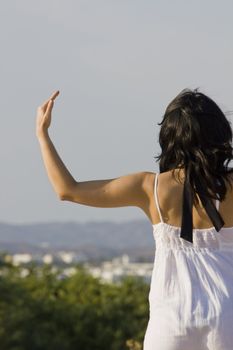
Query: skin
{"points": [[135, 189], [127, 190]]}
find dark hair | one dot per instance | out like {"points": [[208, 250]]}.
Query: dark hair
{"points": [[196, 136]]}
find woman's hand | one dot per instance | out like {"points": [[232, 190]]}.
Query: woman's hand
{"points": [[44, 113]]}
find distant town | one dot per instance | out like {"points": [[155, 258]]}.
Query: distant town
{"points": [[108, 251], [107, 271]]}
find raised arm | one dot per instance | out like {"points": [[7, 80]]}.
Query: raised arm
{"points": [[126, 190]]}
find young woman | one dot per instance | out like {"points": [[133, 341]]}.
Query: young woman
{"points": [[190, 206]]}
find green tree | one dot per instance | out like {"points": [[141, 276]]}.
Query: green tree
{"points": [[43, 311]]}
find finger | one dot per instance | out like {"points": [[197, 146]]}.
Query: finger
{"points": [[49, 106], [53, 96]]}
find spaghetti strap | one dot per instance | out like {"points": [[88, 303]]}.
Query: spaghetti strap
{"points": [[156, 196]]}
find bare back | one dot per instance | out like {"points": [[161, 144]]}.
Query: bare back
{"points": [[170, 193]]}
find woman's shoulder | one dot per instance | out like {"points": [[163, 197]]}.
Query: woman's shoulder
{"points": [[175, 177], [165, 178]]}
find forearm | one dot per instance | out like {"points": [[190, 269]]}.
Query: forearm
{"points": [[59, 176]]}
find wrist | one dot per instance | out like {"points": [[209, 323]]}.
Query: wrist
{"points": [[42, 134]]}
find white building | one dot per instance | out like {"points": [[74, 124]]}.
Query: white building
{"points": [[47, 258], [18, 259], [67, 257], [113, 271]]}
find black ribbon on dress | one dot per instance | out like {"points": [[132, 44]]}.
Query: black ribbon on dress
{"points": [[187, 206]]}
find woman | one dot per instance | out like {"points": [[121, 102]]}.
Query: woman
{"points": [[189, 205]]}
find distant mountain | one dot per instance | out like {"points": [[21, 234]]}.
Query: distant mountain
{"points": [[95, 239]]}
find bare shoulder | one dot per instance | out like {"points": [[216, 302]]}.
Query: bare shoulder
{"points": [[165, 179], [148, 182]]}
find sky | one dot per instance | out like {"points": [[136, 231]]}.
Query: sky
{"points": [[117, 65]]}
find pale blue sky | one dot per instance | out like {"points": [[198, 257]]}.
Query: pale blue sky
{"points": [[117, 64]]}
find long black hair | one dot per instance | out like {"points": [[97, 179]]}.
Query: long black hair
{"points": [[196, 136]]}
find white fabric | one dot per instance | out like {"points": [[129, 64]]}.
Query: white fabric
{"points": [[191, 291]]}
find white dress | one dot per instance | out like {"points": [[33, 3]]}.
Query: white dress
{"points": [[191, 291]]}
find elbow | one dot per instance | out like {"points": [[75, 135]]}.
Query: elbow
{"points": [[66, 194], [63, 196]]}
